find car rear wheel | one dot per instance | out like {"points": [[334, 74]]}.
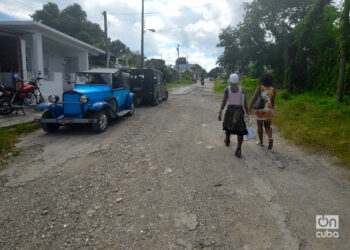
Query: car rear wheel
{"points": [[49, 127], [155, 100], [102, 121], [132, 108]]}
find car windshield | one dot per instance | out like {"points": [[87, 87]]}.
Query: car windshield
{"points": [[94, 78]]}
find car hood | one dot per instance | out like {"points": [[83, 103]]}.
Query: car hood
{"points": [[91, 89]]}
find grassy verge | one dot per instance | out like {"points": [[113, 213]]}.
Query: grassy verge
{"points": [[318, 123], [220, 85], [248, 84], [181, 83], [9, 136]]}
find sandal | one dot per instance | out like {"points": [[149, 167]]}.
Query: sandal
{"points": [[227, 142], [238, 153], [270, 144], [259, 144]]}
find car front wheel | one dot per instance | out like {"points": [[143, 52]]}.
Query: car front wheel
{"points": [[49, 127], [101, 123]]}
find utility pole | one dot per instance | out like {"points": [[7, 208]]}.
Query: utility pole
{"points": [[106, 39], [142, 33], [178, 63]]}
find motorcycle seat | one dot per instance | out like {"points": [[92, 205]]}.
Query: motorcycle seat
{"points": [[10, 89]]}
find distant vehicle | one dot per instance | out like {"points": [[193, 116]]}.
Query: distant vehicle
{"points": [[202, 81], [148, 85], [99, 94]]}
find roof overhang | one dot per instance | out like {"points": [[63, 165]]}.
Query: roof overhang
{"points": [[16, 27], [101, 71]]}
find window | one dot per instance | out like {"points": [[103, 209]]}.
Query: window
{"points": [[117, 81]]}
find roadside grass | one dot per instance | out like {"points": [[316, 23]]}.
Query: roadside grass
{"points": [[9, 136], [220, 85], [320, 124], [181, 83], [249, 86]]}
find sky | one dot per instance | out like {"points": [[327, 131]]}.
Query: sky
{"points": [[194, 25]]}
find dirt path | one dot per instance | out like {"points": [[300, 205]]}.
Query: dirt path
{"points": [[163, 179]]}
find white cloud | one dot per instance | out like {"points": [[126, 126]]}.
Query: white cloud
{"points": [[194, 25]]}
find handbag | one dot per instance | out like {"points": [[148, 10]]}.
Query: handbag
{"points": [[259, 102]]}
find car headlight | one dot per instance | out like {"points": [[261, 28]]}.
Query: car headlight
{"points": [[53, 98], [84, 99]]}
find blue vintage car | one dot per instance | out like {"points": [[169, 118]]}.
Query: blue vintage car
{"points": [[99, 94]]}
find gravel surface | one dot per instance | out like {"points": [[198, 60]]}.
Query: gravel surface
{"points": [[163, 179]]}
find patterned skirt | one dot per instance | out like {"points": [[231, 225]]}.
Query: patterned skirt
{"points": [[264, 115], [234, 121]]}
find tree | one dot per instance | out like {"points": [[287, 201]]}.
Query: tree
{"points": [[118, 49], [215, 72], [155, 64], [181, 60], [198, 70], [344, 48], [72, 21]]}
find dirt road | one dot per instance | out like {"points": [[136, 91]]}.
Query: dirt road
{"points": [[163, 179]]}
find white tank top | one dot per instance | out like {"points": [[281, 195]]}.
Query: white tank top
{"points": [[235, 98]]}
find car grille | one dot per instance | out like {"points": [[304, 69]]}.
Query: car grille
{"points": [[71, 103]]}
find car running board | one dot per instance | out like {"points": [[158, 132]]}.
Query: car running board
{"points": [[122, 113]]}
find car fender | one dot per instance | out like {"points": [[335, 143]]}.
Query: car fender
{"points": [[55, 109], [42, 106], [129, 99], [98, 106]]}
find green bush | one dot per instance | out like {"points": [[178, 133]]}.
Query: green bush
{"points": [[250, 83], [284, 94], [220, 85]]}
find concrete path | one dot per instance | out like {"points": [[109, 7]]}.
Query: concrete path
{"points": [[13, 119]]}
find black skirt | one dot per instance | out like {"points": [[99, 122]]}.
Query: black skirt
{"points": [[234, 121]]}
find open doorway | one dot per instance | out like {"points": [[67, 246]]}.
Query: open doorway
{"points": [[10, 60]]}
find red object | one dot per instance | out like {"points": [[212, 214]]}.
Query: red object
{"points": [[26, 89]]}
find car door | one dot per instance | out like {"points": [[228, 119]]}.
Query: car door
{"points": [[118, 90]]}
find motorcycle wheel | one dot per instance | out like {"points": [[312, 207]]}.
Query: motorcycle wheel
{"points": [[5, 106]]}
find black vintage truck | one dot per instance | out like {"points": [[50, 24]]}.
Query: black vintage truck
{"points": [[148, 85]]}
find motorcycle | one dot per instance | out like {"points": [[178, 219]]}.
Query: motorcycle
{"points": [[6, 91], [202, 81], [24, 97]]}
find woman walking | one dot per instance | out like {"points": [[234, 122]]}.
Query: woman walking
{"points": [[264, 116], [234, 116]]}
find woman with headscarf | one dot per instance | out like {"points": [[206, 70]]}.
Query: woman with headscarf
{"points": [[234, 116]]}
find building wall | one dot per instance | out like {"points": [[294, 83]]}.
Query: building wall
{"points": [[57, 61]]}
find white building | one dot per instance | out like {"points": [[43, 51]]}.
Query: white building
{"points": [[27, 47]]}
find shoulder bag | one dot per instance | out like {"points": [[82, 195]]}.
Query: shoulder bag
{"points": [[259, 102]]}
